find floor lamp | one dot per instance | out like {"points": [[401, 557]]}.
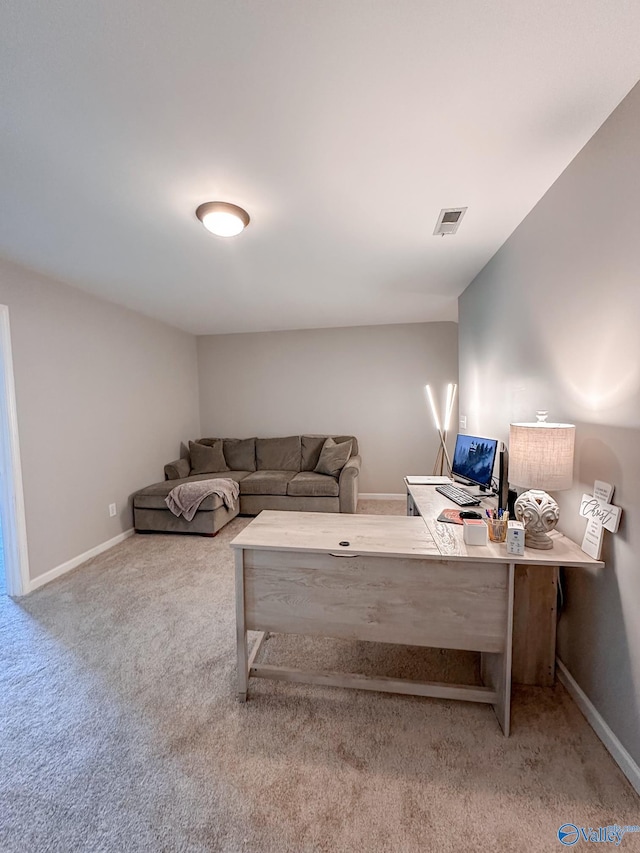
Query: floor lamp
{"points": [[442, 430]]}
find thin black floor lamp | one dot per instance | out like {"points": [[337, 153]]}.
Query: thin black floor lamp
{"points": [[438, 467]]}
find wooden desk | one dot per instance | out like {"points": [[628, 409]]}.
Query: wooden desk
{"points": [[391, 584], [535, 582]]}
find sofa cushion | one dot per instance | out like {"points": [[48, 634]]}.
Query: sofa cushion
{"points": [[152, 497], [207, 459], [240, 453], [279, 454], [308, 484], [211, 502], [266, 483], [312, 447], [333, 457]]}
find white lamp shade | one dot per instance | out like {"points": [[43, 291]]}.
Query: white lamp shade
{"points": [[541, 456]]}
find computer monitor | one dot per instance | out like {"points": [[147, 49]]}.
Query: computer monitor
{"points": [[473, 459]]}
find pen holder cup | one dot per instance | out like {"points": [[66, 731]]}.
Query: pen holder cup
{"points": [[497, 529]]}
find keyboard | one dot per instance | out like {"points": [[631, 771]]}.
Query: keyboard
{"points": [[457, 495]]}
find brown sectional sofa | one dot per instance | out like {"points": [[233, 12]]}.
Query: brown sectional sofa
{"points": [[273, 473]]}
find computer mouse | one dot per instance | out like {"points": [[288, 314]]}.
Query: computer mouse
{"points": [[469, 513]]}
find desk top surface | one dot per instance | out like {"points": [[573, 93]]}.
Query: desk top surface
{"points": [[449, 537], [377, 535], [409, 537]]}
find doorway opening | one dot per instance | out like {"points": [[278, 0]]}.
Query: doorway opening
{"points": [[14, 562]]}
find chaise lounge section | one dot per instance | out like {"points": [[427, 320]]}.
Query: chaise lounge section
{"points": [[308, 473]]}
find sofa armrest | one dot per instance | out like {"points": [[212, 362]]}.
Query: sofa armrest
{"points": [[348, 485], [177, 470]]}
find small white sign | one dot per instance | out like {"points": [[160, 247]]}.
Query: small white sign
{"points": [[603, 491], [600, 516]]}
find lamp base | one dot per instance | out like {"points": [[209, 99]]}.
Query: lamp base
{"points": [[539, 514]]}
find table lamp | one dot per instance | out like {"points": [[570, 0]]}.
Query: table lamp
{"points": [[540, 458]]}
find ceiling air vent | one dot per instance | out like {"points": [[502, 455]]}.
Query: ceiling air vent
{"points": [[449, 220]]}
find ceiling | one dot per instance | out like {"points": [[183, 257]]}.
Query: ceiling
{"points": [[341, 126]]}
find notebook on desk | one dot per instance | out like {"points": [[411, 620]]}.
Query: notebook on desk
{"points": [[431, 480]]}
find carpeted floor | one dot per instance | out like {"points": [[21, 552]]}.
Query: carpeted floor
{"points": [[121, 732]]}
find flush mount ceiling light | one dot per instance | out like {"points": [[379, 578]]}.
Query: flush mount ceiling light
{"points": [[222, 219]]}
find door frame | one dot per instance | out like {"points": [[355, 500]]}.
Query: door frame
{"points": [[14, 527]]}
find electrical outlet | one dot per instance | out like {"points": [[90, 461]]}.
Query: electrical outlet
{"points": [[112, 510], [463, 421]]}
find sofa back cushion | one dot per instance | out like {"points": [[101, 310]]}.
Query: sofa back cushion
{"points": [[333, 457], [312, 446], [207, 458], [240, 453], [279, 454]]}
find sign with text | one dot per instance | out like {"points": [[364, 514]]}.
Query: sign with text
{"points": [[601, 515]]}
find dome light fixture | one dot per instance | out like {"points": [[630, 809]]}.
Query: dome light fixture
{"points": [[222, 218]]}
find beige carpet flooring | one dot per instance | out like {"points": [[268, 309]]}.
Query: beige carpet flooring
{"points": [[121, 732]]}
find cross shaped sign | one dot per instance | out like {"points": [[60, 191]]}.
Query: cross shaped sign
{"points": [[601, 515]]}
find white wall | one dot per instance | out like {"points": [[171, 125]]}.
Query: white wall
{"points": [[366, 381], [104, 398], [552, 322]]}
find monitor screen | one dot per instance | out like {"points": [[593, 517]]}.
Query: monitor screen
{"points": [[473, 459]]}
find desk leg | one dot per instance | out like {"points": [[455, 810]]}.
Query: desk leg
{"points": [[496, 668], [411, 507], [534, 625], [241, 631]]}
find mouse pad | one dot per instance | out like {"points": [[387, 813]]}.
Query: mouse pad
{"points": [[452, 516]]}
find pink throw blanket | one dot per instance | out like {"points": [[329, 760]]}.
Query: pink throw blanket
{"points": [[186, 498]]}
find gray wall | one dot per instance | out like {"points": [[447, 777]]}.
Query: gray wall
{"points": [[552, 322], [104, 398], [367, 381]]}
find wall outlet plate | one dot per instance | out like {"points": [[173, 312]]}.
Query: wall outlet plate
{"points": [[463, 421], [112, 510]]}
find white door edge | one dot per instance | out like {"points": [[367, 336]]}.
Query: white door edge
{"points": [[14, 528]]}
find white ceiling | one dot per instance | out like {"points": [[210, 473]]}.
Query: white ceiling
{"points": [[342, 126]]}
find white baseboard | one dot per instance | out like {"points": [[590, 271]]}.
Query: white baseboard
{"points": [[619, 754], [379, 496], [63, 568]]}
